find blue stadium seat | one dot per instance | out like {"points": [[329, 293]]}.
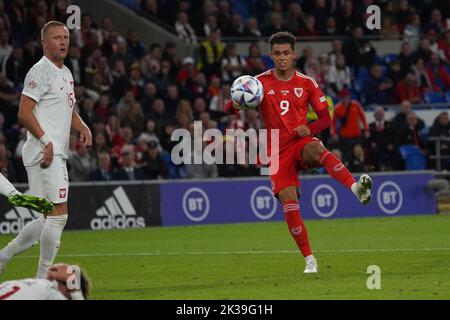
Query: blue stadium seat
{"points": [[413, 157], [447, 96], [433, 97], [388, 58]]}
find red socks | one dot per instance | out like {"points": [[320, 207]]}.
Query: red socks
{"points": [[296, 226], [336, 169]]}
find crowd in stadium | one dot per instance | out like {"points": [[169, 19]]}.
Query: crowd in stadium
{"points": [[133, 97]]}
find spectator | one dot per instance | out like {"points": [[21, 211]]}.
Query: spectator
{"points": [[423, 79], [407, 89], [252, 28], [5, 49], [294, 17], [211, 52], [389, 30], [358, 51], [150, 63], [235, 27], [200, 171], [359, 161], [339, 76], [276, 24], [154, 166], [233, 65], [15, 67], [134, 44], [348, 115], [6, 167], [81, 164], [377, 89], [411, 134], [87, 112], [405, 11], [172, 98], [336, 51], [444, 46], [102, 109], [150, 94], [170, 54], [436, 23], [129, 170], [223, 13], [399, 121], [438, 74], [132, 117], [136, 82], [100, 145], [309, 29], [381, 142], [103, 172], [330, 27], [150, 7], [9, 100], [184, 30], [255, 64], [210, 26], [149, 134], [405, 57], [424, 51], [412, 31], [440, 128], [75, 64], [159, 115], [307, 55], [346, 19]]}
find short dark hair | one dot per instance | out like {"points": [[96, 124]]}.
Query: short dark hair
{"points": [[282, 37], [85, 283]]}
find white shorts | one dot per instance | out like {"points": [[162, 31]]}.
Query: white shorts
{"points": [[51, 183]]}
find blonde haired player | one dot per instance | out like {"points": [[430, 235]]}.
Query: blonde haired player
{"points": [[61, 283], [47, 110]]}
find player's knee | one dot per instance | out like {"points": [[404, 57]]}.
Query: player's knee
{"points": [[314, 153], [288, 194]]}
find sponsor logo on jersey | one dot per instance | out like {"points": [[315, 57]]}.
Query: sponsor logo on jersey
{"points": [[271, 92], [117, 213], [284, 92], [298, 92]]}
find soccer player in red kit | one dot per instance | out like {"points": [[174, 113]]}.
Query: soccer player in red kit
{"points": [[287, 96]]}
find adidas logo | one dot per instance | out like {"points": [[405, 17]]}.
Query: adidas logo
{"points": [[117, 213], [271, 92], [16, 219]]}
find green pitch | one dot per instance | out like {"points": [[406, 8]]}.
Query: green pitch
{"points": [[260, 261]]}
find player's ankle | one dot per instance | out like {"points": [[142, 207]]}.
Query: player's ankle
{"points": [[354, 187]]}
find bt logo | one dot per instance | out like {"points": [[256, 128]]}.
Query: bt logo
{"points": [[195, 204], [263, 203], [389, 197], [324, 200]]}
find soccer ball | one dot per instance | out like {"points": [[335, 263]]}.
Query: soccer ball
{"points": [[247, 92]]}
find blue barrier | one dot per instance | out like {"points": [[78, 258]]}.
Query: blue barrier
{"points": [[239, 200]]}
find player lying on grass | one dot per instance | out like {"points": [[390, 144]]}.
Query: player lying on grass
{"points": [[17, 199], [287, 96], [61, 284]]}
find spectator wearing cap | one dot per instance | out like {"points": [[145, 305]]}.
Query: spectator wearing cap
{"points": [[376, 87], [185, 78], [233, 65], [154, 166], [348, 117], [128, 171], [103, 171], [184, 30]]}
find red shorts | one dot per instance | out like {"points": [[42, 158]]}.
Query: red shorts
{"points": [[290, 163]]}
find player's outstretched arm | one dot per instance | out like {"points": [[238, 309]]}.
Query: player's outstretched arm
{"points": [[230, 109], [79, 125]]}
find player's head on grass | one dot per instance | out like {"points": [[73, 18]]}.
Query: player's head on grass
{"points": [[55, 41], [63, 273], [282, 51]]}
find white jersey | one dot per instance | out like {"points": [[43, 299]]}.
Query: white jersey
{"points": [[30, 289], [53, 90]]}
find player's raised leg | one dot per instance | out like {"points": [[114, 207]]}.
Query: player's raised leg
{"points": [[289, 199], [17, 199], [314, 153]]}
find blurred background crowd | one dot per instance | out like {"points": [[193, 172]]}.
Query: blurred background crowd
{"points": [[133, 97]]}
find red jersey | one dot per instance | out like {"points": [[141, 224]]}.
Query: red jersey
{"points": [[286, 102]]}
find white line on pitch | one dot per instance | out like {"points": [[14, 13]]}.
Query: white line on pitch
{"points": [[193, 253]]}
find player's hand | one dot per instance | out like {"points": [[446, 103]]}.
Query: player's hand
{"points": [[86, 137], [48, 155], [303, 131]]}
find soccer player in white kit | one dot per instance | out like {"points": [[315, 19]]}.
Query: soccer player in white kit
{"points": [[47, 110], [60, 284]]}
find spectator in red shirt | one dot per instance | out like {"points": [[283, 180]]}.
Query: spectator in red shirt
{"points": [[438, 75], [408, 89], [349, 114]]}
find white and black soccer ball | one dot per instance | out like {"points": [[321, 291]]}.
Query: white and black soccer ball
{"points": [[247, 92]]}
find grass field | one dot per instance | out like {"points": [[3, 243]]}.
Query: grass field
{"points": [[260, 261]]}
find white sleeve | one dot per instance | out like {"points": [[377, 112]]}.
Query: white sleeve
{"points": [[36, 83], [55, 295]]}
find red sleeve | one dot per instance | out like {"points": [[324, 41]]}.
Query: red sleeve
{"points": [[317, 98], [322, 122], [230, 109]]}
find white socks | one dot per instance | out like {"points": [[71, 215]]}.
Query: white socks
{"points": [[354, 187], [6, 188], [50, 241], [28, 237]]}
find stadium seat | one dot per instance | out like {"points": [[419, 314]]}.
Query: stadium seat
{"points": [[433, 97], [388, 58], [447, 96], [413, 157]]}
